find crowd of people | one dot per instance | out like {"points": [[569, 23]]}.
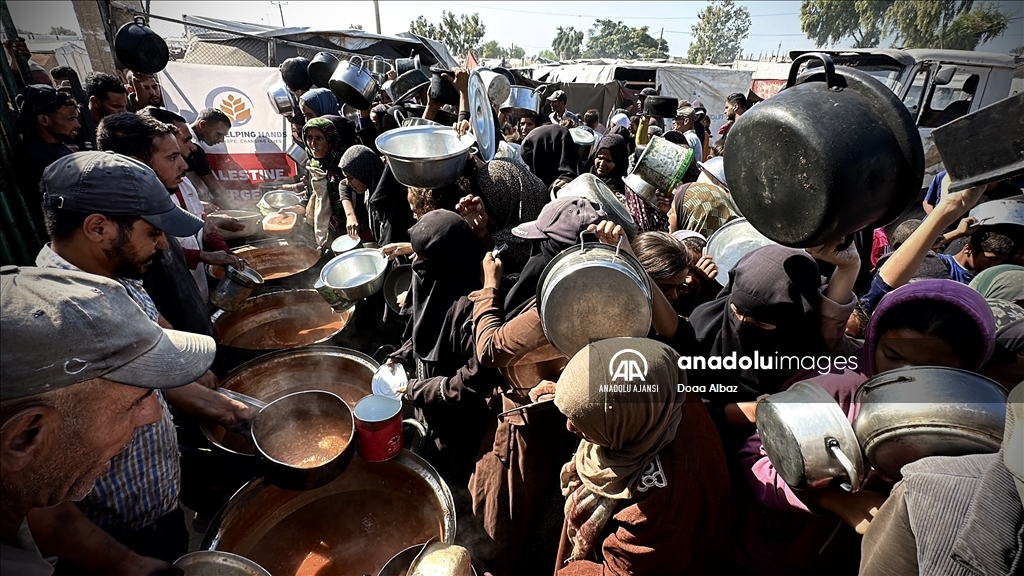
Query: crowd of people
{"points": [[665, 481]]}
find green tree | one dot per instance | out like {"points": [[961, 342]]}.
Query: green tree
{"points": [[547, 55], [568, 43], [62, 31], [1018, 51], [944, 23], [829, 21], [610, 39], [719, 33], [490, 49], [517, 52], [458, 34]]}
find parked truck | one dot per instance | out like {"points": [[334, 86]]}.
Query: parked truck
{"points": [[937, 86]]}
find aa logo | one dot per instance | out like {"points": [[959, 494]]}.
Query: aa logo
{"points": [[628, 365], [233, 103]]}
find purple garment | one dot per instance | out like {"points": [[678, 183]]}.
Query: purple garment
{"points": [[767, 499]]}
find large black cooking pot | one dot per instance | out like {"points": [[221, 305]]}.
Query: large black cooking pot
{"points": [[139, 48], [833, 153], [321, 68], [441, 89]]}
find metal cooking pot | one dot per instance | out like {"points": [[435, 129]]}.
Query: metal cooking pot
{"points": [[592, 292], [352, 276], [996, 212], [441, 89], [234, 289], [340, 371], [139, 48], [808, 439], [481, 116], [359, 521], [847, 157], [663, 164], [273, 259], [276, 199], [734, 240], [911, 413], [217, 563], [305, 439], [403, 65], [584, 140], [404, 121], [279, 320], [379, 67], [523, 100], [397, 281], [352, 84], [497, 84], [401, 562], [284, 102], [251, 221], [409, 84], [592, 188], [661, 106], [321, 68], [425, 156]]}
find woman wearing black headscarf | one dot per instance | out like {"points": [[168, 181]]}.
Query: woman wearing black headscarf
{"points": [[447, 385], [552, 155], [611, 161], [363, 170]]}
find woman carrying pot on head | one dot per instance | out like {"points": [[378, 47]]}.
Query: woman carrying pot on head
{"points": [[363, 170], [648, 490], [448, 386], [784, 531]]}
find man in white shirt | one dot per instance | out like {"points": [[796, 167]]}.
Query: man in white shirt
{"points": [[683, 122]]}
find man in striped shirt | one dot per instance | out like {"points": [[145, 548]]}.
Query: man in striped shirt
{"points": [[106, 214]]}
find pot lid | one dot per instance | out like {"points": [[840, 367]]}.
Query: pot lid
{"points": [[582, 136], [481, 116]]}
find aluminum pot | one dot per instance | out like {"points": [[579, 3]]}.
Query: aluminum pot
{"points": [[808, 439], [404, 121], [352, 276], [139, 48], [661, 106], [849, 156], [590, 277], [584, 140], [523, 100], [911, 413], [358, 521], [498, 86], [276, 199], [274, 259], [403, 65], [282, 100], [352, 84], [217, 563], [305, 439], [425, 156], [340, 371], [592, 188], [321, 68], [279, 320], [734, 240], [234, 289], [409, 84], [481, 116], [441, 89], [663, 164], [379, 67]]}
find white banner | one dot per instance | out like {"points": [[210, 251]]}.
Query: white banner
{"points": [[254, 150]]}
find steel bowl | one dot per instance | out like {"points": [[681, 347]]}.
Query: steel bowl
{"points": [[591, 187], [344, 243], [251, 221], [523, 100], [425, 156], [218, 563], [352, 276], [911, 413], [282, 100], [276, 199]]}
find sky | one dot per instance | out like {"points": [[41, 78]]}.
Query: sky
{"points": [[531, 25]]}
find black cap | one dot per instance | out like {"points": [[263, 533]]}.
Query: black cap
{"points": [[37, 99], [116, 185]]}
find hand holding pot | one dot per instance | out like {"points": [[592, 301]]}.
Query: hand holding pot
{"points": [[857, 509], [352, 225], [460, 80], [958, 202], [471, 208], [543, 391], [492, 271], [610, 233], [396, 249]]}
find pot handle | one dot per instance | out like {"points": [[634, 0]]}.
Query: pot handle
{"points": [[399, 116], [540, 89], [830, 68], [421, 433], [140, 20], [354, 58], [851, 472]]}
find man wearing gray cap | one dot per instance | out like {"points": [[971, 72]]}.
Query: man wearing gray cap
{"points": [[79, 363], [558, 112], [684, 122], [106, 214]]}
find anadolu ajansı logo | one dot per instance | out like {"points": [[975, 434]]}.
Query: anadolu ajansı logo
{"points": [[628, 365], [232, 102]]}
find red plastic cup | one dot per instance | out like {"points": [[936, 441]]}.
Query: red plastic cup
{"points": [[378, 427]]}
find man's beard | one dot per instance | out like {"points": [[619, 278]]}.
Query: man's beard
{"points": [[127, 259]]}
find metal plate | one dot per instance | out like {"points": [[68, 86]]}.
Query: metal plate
{"points": [[481, 116], [730, 243]]}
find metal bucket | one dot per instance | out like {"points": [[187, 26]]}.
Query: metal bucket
{"points": [[663, 163]]}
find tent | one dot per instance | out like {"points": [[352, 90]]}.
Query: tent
{"points": [[709, 84], [768, 77]]}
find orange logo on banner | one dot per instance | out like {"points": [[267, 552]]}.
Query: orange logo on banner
{"points": [[235, 108]]}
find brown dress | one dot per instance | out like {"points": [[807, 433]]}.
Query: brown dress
{"points": [[515, 487]]}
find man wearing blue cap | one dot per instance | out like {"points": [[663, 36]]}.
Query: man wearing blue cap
{"points": [[106, 215]]}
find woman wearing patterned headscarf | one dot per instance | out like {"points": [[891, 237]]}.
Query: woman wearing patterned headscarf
{"points": [[702, 208], [363, 170], [324, 212], [648, 490]]}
